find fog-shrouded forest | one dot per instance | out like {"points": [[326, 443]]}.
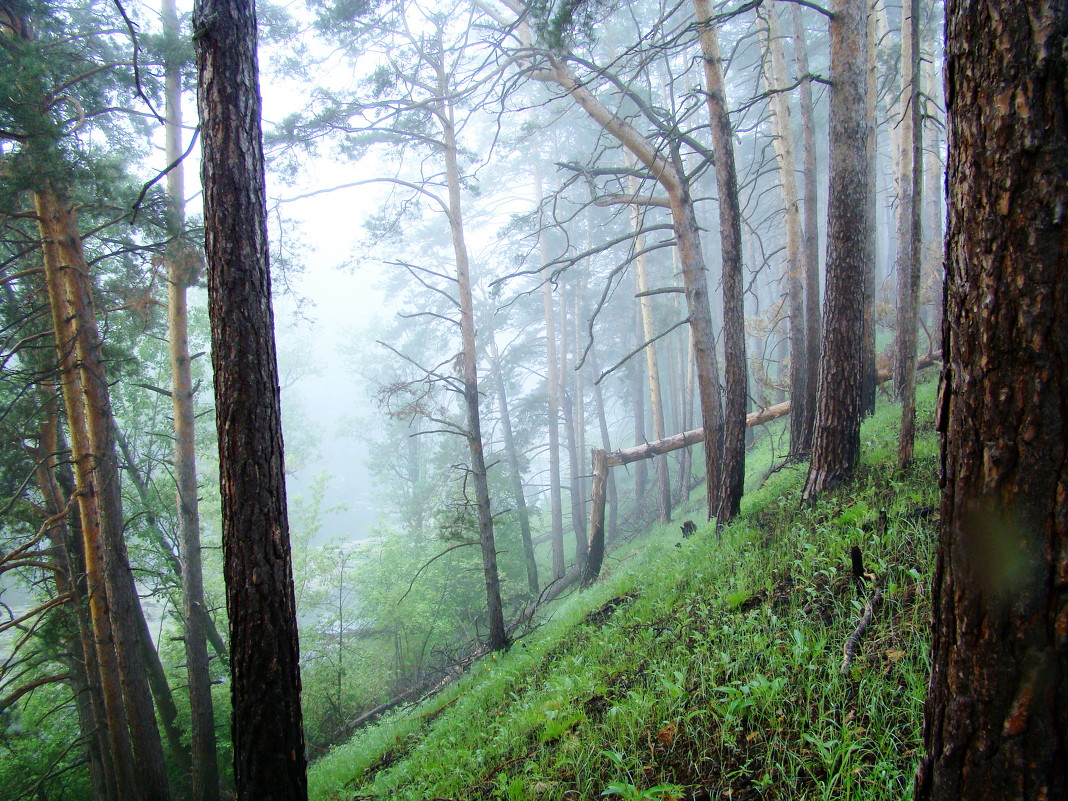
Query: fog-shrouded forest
{"points": [[548, 399]]}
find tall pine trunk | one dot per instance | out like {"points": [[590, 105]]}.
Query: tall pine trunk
{"points": [[836, 440], [997, 704], [181, 264], [267, 726]]}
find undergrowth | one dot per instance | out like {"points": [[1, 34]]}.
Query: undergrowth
{"points": [[702, 668]]}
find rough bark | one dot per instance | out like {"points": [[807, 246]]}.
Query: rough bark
{"points": [[997, 704], [836, 439], [268, 737], [732, 470], [811, 226]]}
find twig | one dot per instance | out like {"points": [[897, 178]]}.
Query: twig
{"points": [[849, 650]]}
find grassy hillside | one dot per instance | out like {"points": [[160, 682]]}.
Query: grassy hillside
{"points": [[700, 669]]}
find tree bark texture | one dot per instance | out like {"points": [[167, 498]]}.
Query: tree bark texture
{"points": [[732, 471], [997, 705], [268, 737], [876, 10], [836, 440]]}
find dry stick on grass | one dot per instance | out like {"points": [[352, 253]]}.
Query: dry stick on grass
{"points": [[849, 650]]}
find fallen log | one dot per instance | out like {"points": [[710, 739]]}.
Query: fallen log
{"points": [[603, 460]]}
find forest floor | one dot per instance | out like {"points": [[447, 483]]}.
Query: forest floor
{"points": [[702, 668]]}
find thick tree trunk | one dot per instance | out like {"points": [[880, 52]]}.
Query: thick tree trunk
{"points": [[732, 475], [498, 639], [997, 705], [181, 271], [909, 247], [268, 737], [783, 131], [811, 224], [836, 440], [86, 397]]}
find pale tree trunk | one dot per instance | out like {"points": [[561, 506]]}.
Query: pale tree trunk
{"points": [[867, 353], [552, 379], [652, 365], [137, 751], [568, 405], [732, 477], [782, 130], [811, 225], [687, 235], [267, 723], [498, 639], [836, 440], [933, 189], [609, 525], [516, 476], [910, 246], [182, 263], [638, 394], [997, 704]]}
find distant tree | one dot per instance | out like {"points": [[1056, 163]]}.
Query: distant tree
{"points": [[268, 739], [996, 711], [836, 440]]}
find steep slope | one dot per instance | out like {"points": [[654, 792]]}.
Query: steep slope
{"points": [[710, 667]]}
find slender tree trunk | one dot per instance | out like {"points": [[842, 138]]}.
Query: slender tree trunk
{"points": [[498, 639], [783, 131], [997, 705], [553, 388], [732, 477], [606, 444], [811, 226], [868, 366], [933, 193], [836, 440], [515, 474], [638, 394], [268, 737], [569, 405], [652, 365], [182, 263], [910, 248]]}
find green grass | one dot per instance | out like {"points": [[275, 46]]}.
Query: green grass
{"points": [[706, 668]]}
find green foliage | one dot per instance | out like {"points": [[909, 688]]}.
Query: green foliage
{"points": [[711, 664]]}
